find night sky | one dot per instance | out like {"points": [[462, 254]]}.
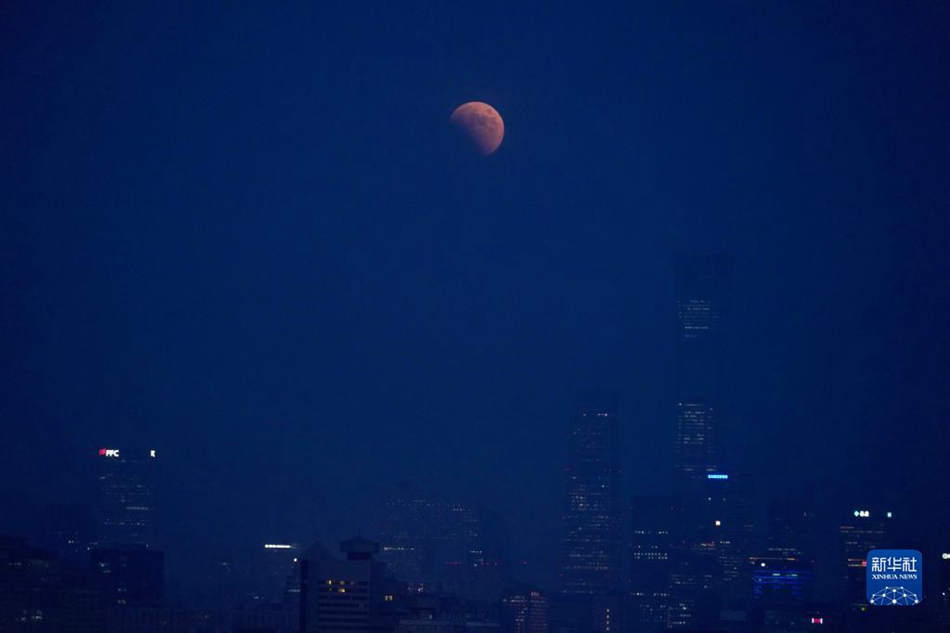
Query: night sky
{"points": [[245, 235]]}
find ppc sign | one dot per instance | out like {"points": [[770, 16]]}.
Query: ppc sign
{"points": [[895, 577]]}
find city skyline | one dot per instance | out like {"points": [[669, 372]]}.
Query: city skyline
{"points": [[472, 284]]}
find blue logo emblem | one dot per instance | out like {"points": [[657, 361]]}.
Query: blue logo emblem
{"points": [[895, 577]]}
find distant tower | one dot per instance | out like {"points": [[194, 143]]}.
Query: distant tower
{"points": [[703, 289], [126, 509], [592, 539], [524, 611], [655, 528], [431, 543], [861, 531]]}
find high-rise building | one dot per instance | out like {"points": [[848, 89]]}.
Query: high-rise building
{"points": [[524, 611], [431, 543], [710, 575], [655, 527], [126, 509], [353, 594], [941, 586], [727, 526], [861, 531], [703, 289], [69, 530], [129, 574], [792, 530], [275, 573], [40, 593], [592, 516], [780, 581], [693, 579]]}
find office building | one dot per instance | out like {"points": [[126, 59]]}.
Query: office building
{"points": [[780, 582], [349, 594], [69, 530], [592, 515], [862, 530], [655, 527], [431, 543], [792, 530], [40, 593], [703, 300], [129, 574], [524, 611], [275, 572], [127, 497]]}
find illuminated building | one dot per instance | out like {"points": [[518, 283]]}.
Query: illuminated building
{"points": [[433, 543], [780, 581], [352, 594], [276, 573], [728, 529], [592, 540], [792, 530], [129, 574], [69, 530], [40, 593], [126, 510], [703, 286], [709, 564], [693, 576], [942, 585], [861, 531], [524, 611], [655, 527]]}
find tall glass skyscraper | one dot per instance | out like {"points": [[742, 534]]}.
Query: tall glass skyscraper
{"points": [[126, 509], [592, 515], [703, 289]]}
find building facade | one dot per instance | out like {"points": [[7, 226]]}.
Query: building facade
{"points": [[703, 299], [592, 515], [349, 594], [127, 497]]}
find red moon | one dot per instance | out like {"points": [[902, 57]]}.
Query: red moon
{"points": [[481, 123]]}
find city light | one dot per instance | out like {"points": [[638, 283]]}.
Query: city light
{"points": [[277, 546]]}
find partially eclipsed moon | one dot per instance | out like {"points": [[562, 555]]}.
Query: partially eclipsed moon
{"points": [[481, 123]]}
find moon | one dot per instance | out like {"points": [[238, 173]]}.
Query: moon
{"points": [[481, 123]]}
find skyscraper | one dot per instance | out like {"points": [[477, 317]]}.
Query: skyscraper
{"points": [[861, 531], [655, 533], [703, 288], [429, 542], [592, 540], [524, 611], [126, 509], [129, 574], [275, 574], [354, 594]]}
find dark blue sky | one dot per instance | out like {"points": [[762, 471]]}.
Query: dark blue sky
{"points": [[246, 236]]}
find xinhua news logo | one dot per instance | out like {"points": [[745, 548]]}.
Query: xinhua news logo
{"points": [[895, 577]]}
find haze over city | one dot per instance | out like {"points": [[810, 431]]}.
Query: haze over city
{"points": [[387, 272]]}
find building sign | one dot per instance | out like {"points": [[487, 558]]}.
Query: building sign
{"points": [[895, 577], [109, 452]]}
